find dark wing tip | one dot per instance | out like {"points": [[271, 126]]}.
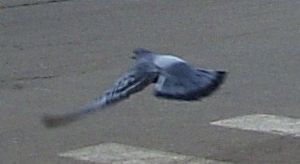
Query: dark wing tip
{"points": [[53, 121]]}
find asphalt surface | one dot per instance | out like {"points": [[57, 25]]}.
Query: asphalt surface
{"points": [[56, 56]]}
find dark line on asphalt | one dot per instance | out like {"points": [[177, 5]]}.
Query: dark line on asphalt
{"points": [[15, 82], [35, 77], [2, 6]]}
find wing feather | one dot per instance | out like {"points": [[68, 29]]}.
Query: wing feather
{"points": [[128, 84], [134, 81]]}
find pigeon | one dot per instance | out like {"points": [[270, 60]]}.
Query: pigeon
{"points": [[173, 77]]}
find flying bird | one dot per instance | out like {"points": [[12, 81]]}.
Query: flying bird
{"points": [[174, 78]]}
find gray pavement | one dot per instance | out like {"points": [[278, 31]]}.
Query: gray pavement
{"points": [[55, 57]]}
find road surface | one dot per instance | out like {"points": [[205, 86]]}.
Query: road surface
{"points": [[57, 55]]}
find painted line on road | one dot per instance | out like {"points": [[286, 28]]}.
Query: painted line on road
{"points": [[114, 153], [263, 123]]}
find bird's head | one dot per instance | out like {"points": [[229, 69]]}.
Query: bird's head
{"points": [[140, 52]]}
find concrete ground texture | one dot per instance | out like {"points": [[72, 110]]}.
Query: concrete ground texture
{"points": [[55, 56]]}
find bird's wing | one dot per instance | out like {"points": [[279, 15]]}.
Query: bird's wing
{"points": [[182, 82], [131, 82], [134, 81]]}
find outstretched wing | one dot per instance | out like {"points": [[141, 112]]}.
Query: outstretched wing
{"points": [[135, 80], [181, 81]]}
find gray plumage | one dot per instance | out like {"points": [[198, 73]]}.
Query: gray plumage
{"points": [[173, 77]]}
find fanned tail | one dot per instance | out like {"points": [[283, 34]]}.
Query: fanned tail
{"points": [[216, 78]]}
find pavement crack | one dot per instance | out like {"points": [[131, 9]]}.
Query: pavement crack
{"points": [[3, 6], [20, 82], [35, 78]]}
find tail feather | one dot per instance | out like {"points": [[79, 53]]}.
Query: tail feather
{"points": [[216, 79], [220, 77]]}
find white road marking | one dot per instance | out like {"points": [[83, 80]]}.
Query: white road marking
{"points": [[263, 123], [113, 153]]}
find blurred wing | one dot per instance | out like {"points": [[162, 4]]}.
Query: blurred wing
{"points": [[186, 83], [130, 83], [135, 80]]}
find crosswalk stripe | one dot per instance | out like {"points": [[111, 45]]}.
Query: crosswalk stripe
{"points": [[114, 153], [263, 123]]}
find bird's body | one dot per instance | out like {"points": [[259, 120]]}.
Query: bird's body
{"points": [[174, 78], [165, 61]]}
